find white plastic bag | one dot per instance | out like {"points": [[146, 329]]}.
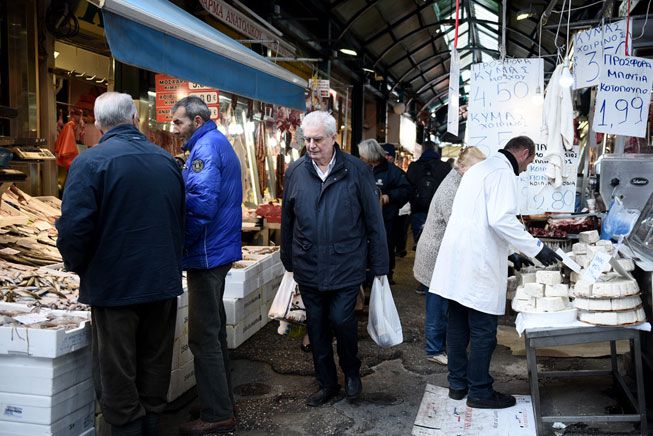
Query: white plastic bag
{"points": [[383, 323], [288, 304]]}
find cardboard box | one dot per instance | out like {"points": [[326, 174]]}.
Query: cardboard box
{"points": [[239, 333], [43, 376], [74, 424], [237, 309], [181, 380], [44, 409]]}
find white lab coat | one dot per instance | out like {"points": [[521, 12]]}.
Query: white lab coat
{"points": [[472, 265], [558, 119]]}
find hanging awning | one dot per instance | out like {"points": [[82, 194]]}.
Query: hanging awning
{"points": [[158, 36]]}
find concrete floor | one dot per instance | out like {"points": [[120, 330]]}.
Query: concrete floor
{"points": [[272, 377]]}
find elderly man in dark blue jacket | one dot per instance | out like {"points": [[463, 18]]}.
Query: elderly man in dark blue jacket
{"points": [[213, 242], [331, 232], [121, 230]]}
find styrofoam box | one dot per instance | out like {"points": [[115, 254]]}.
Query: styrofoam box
{"points": [[270, 289], [43, 376], [239, 308], [181, 380], [44, 409], [240, 274], [43, 342], [89, 432], [265, 309], [181, 353], [242, 289], [181, 323], [182, 300], [73, 424], [239, 333]]}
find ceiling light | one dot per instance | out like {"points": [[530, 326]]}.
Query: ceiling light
{"points": [[522, 15], [56, 54], [368, 70], [348, 51]]}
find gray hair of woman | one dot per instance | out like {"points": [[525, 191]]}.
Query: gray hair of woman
{"points": [[320, 119], [113, 109], [371, 152]]}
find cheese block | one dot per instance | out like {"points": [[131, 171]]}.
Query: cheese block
{"points": [[589, 237], [559, 290], [527, 278], [579, 248], [583, 260], [524, 305], [521, 295], [626, 264], [534, 289], [624, 317], [593, 249], [575, 277], [551, 304], [611, 285], [608, 245], [548, 277], [608, 304]]}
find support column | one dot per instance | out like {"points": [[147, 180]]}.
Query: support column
{"points": [[357, 108]]}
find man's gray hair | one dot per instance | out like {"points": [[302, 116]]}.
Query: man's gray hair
{"points": [[193, 106], [520, 143], [371, 151], [113, 109], [320, 119]]}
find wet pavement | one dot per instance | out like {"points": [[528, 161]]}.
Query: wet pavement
{"points": [[272, 378]]}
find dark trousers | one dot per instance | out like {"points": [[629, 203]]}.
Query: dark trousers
{"points": [[400, 231], [479, 330], [389, 236], [207, 339], [132, 358], [330, 313]]}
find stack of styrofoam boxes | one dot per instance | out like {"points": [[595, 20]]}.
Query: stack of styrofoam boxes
{"points": [[182, 377], [249, 292], [46, 386]]}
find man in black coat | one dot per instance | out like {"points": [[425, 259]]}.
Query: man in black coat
{"points": [[121, 229], [331, 232]]}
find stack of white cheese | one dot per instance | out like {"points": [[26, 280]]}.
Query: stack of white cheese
{"points": [[541, 291], [613, 299]]}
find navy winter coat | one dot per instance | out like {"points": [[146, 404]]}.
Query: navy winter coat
{"points": [[214, 193], [332, 231], [122, 221], [391, 180]]}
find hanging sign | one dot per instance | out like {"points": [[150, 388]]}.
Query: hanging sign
{"points": [[505, 101], [538, 195], [623, 96], [454, 93], [169, 90], [589, 48]]}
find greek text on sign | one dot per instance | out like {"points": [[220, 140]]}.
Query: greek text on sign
{"points": [[169, 90], [538, 195], [505, 101], [591, 45], [454, 93], [623, 97]]}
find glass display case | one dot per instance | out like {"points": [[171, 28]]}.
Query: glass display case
{"points": [[641, 237]]}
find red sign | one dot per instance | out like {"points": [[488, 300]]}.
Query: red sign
{"points": [[169, 90]]}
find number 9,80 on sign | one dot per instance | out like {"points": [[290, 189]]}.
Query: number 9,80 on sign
{"points": [[207, 97]]}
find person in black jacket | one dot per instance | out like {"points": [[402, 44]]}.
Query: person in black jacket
{"points": [[121, 230], [395, 190], [424, 175], [331, 232]]}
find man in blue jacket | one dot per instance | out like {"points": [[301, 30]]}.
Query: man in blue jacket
{"points": [[121, 230], [331, 231], [213, 242]]}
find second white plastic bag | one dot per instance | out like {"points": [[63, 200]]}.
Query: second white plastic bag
{"points": [[287, 304], [383, 323]]}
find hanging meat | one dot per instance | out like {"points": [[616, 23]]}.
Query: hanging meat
{"points": [[260, 157]]}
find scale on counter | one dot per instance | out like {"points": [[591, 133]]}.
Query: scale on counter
{"points": [[28, 148], [627, 176]]}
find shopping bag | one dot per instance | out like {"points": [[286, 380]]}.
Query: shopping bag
{"points": [[619, 220], [383, 323], [287, 304]]}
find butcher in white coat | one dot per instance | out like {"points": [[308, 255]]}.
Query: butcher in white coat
{"points": [[471, 270]]}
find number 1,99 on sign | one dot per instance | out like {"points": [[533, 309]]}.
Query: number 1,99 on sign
{"points": [[623, 110]]}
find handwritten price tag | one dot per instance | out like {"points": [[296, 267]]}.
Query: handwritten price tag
{"points": [[596, 266]]}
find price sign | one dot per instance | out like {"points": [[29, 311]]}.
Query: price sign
{"points": [[623, 96], [169, 90], [537, 195], [454, 93], [504, 102], [597, 265], [589, 48]]}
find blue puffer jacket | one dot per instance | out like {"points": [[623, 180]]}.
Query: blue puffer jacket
{"points": [[214, 194]]}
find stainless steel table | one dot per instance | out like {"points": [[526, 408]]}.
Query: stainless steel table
{"points": [[552, 337]]}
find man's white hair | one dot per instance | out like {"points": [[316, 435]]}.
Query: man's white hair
{"points": [[320, 119], [113, 109]]}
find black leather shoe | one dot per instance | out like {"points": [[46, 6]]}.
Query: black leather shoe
{"points": [[353, 388], [496, 401], [457, 394], [322, 396]]}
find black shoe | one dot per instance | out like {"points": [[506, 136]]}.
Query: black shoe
{"points": [[353, 388], [322, 396], [306, 348], [496, 401], [457, 394]]}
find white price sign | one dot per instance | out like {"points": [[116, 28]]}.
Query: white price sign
{"points": [[538, 195], [504, 102], [597, 265], [454, 93], [589, 48], [210, 97], [623, 96], [195, 86]]}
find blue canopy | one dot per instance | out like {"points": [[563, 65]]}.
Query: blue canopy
{"points": [[158, 36]]}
